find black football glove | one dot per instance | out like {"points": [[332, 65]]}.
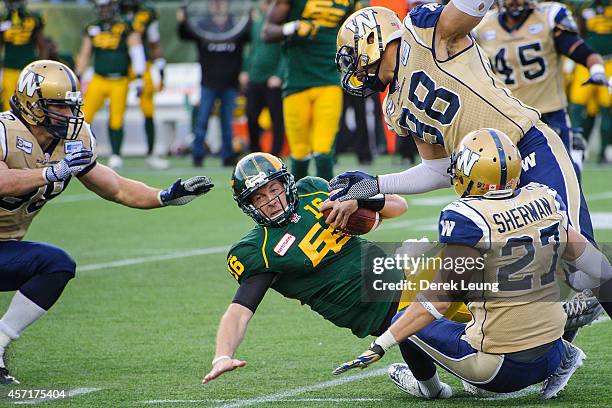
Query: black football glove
{"points": [[183, 192], [353, 185]]}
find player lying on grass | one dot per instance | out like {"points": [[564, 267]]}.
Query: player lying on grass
{"points": [[44, 142], [514, 338]]}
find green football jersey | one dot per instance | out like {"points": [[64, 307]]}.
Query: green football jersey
{"points": [[597, 18], [110, 50], [19, 31], [317, 266], [311, 60], [140, 22]]}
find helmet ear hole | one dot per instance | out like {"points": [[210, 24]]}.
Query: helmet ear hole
{"points": [[495, 160], [371, 38]]}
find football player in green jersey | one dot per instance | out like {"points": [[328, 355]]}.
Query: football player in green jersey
{"points": [[312, 99], [296, 251]]}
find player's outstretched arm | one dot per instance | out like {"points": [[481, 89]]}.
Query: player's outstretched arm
{"points": [[231, 331], [593, 268], [109, 185], [84, 56], [277, 16]]}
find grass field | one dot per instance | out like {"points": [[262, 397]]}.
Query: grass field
{"points": [[136, 328]]}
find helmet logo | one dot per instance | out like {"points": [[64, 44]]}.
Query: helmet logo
{"points": [[362, 20], [256, 180], [466, 160], [29, 82], [74, 97]]}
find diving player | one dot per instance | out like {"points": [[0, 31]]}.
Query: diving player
{"points": [[44, 142], [312, 99], [524, 41], [21, 34], [144, 20], [514, 337], [441, 88], [114, 47]]}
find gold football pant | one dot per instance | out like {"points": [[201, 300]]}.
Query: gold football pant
{"points": [[100, 88], [311, 120], [9, 83], [148, 90]]}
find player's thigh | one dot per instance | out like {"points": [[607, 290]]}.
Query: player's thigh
{"points": [[578, 93], [546, 161], [96, 94], [147, 105], [298, 111], [326, 118], [22, 260], [118, 102]]}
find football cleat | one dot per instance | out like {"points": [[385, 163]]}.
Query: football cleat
{"points": [[581, 310], [570, 361], [157, 163], [401, 376], [6, 378], [115, 162]]}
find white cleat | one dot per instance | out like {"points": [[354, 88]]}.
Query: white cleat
{"points": [[401, 376], [570, 361], [157, 163], [115, 162]]}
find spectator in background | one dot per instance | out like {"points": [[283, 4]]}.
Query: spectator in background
{"points": [[264, 67], [221, 64], [21, 36]]}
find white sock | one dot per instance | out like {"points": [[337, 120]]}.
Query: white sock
{"points": [[431, 387], [21, 313], [4, 341]]}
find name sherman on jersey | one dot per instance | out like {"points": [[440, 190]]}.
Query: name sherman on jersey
{"points": [[20, 150], [521, 239], [526, 58], [441, 101], [316, 265]]}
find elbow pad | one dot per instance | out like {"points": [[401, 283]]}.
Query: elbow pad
{"points": [[475, 8]]}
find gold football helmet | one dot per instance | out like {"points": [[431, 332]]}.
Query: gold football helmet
{"points": [[360, 44], [43, 89], [486, 164]]}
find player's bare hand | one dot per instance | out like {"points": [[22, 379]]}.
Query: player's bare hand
{"points": [[341, 211], [223, 366]]}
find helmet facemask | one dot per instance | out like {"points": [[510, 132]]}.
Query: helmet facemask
{"points": [[516, 12], [62, 126], [256, 213]]}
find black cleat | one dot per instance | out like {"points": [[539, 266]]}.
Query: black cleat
{"points": [[6, 378], [581, 310]]}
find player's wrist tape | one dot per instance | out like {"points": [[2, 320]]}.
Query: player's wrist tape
{"points": [[594, 263], [290, 28], [376, 203], [476, 8], [216, 360], [386, 340], [428, 306], [597, 69]]}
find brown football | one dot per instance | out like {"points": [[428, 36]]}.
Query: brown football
{"points": [[360, 222]]}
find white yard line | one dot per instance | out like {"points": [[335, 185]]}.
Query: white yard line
{"points": [[301, 390], [324, 400], [71, 393], [154, 258]]}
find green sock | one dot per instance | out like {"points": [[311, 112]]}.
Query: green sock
{"points": [[325, 166], [580, 119], [150, 131], [116, 140], [606, 130], [299, 168]]}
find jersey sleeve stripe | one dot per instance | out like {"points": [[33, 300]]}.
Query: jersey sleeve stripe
{"points": [[316, 192], [552, 14], [3, 141], [263, 247], [502, 158], [469, 212]]}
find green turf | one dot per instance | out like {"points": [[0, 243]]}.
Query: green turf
{"points": [[146, 331]]}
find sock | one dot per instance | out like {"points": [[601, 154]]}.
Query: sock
{"points": [[325, 166], [431, 387], [299, 168], [4, 342], [150, 131], [116, 140], [21, 313]]}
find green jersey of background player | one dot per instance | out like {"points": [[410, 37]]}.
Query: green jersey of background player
{"points": [[296, 251]]}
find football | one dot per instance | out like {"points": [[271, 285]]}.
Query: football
{"points": [[360, 222]]}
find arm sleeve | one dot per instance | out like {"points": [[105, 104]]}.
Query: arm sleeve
{"points": [[153, 35], [252, 290], [572, 46], [428, 176]]}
